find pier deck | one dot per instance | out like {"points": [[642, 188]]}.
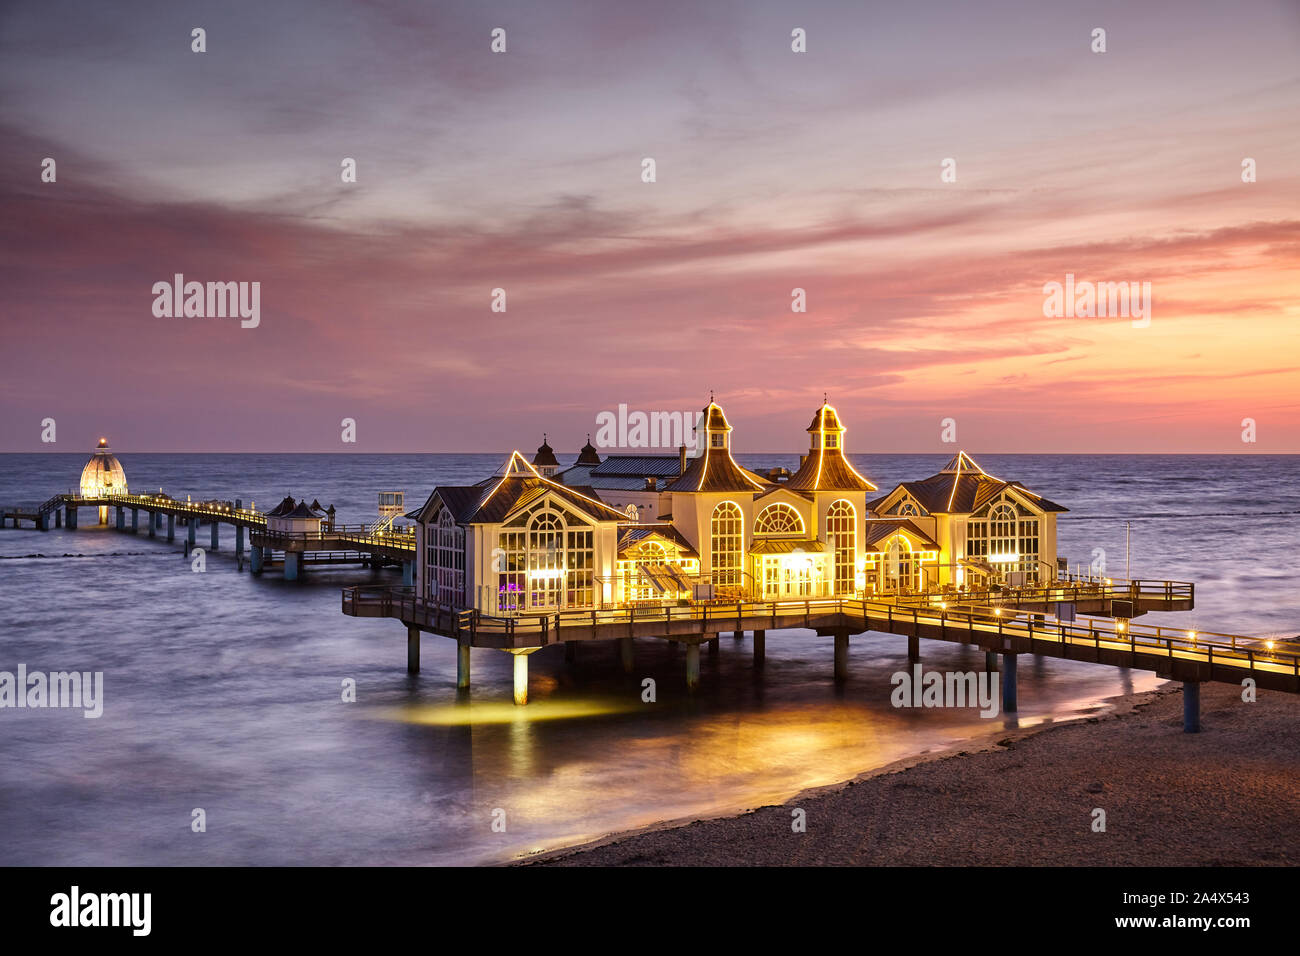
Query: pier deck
{"points": [[1005, 623]]}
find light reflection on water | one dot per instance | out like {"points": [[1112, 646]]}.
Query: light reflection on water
{"points": [[224, 692]]}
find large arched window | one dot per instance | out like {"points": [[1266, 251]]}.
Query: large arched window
{"points": [[1006, 536], [778, 518], [727, 544], [451, 561], [842, 536], [544, 560]]}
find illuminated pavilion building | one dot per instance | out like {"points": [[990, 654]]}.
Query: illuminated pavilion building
{"points": [[668, 529], [103, 475]]}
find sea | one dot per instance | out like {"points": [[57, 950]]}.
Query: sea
{"points": [[229, 735]]}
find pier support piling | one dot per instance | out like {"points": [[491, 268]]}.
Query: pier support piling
{"points": [[255, 564], [120, 520], [692, 665], [990, 661], [1191, 707], [191, 526], [152, 520], [760, 648], [738, 635], [913, 648], [408, 574], [412, 649], [714, 646], [521, 674], [72, 519], [625, 653], [215, 526], [1009, 683], [841, 655], [58, 518], [135, 520], [239, 540], [462, 666], [171, 527], [292, 565]]}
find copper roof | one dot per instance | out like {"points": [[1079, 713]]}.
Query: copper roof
{"points": [[826, 469], [545, 456], [715, 470], [588, 455]]}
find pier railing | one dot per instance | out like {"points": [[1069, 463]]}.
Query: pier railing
{"points": [[1068, 590], [986, 625]]}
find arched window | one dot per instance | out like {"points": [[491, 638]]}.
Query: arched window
{"points": [[1002, 531], [451, 561], [727, 544], [636, 585], [842, 536], [779, 518], [544, 560], [907, 508], [1007, 538]]}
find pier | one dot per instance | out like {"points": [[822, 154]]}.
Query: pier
{"points": [[1002, 624], [377, 545]]}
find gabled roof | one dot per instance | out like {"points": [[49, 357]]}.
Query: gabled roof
{"points": [[518, 486], [826, 469], [963, 487], [630, 536], [879, 529]]}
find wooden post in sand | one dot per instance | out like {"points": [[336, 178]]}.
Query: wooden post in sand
{"points": [[1191, 707], [841, 655], [1009, 683]]}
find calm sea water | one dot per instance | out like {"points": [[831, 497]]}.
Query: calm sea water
{"points": [[223, 691]]}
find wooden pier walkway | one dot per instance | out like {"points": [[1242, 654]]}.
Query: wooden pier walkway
{"points": [[1006, 623], [352, 544]]}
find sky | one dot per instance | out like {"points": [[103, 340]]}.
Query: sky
{"points": [[774, 171]]}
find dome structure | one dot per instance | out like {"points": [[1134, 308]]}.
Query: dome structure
{"points": [[588, 455], [103, 474]]}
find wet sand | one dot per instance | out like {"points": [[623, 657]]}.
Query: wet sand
{"points": [[1229, 795]]}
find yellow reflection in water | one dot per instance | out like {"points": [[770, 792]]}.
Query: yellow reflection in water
{"points": [[503, 712]]}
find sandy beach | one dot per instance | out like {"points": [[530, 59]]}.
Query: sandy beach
{"points": [[1229, 795]]}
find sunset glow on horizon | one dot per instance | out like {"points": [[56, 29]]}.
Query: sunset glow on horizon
{"points": [[775, 171]]}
